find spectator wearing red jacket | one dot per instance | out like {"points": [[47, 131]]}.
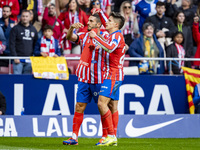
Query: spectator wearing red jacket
{"points": [[49, 17], [14, 5], [196, 36], [73, 15]]}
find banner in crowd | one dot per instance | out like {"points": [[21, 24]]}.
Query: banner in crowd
{"points": [[50, 68], [130, 126], [192, 77], [139, 95]]}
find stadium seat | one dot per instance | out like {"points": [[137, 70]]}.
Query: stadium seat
{"points": [[72, 64], [126, 62], [4, 70]]}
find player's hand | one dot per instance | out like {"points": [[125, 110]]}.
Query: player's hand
{"points": [[17, 61], [44, 54], [77, 25], [92, 34], [95, 10]]}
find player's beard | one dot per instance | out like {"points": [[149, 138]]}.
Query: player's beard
{"points": [[91, 28]]}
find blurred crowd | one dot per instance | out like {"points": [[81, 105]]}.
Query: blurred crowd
{"points": [[153, 28]]}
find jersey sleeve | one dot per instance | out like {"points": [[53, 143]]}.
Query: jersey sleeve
{"points": [[103, 18], [108, 46], [80, 35]]}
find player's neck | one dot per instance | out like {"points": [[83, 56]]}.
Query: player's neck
{"points": [[113, 30]]}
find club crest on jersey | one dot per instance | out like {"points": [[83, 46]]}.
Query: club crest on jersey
{"points": [[32, 34]]}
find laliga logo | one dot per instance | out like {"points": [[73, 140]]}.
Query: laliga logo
{"points": [[132, 131]]}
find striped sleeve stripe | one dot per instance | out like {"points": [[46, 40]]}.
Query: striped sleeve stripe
{"points": [[103, 16], [108, 47]]}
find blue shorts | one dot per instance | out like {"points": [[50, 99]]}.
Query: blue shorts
{"points": [[87, 91], [110, 89]]}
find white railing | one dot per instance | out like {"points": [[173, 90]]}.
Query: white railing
{"points": [[126, 58]]}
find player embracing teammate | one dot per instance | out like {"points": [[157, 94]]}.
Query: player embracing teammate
{"points": [[109, 92], [114, 52]]}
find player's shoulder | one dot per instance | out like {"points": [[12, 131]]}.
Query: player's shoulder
{"points": [[104, 33]]}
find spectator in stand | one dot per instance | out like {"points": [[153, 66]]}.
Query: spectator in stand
{"points": [[196, 36], [2, 41], [6, 23], [35, 22], [49, 17], [145, 8], [181, 26], [47, 45], [176, 50], [14, 4], [87, 7], [198, 11], [187, 7], [73, 15], [2, 104], [147, 45], [23, 38], [164, 26], [130, 17]]}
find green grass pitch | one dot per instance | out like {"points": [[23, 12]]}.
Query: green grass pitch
{"points": [[19, 143]]}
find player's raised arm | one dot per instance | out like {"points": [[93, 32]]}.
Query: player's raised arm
{"points": [[70, 35], [102, 16]]}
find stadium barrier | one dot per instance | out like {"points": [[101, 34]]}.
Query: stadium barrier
{"points": [[76, 57], [130, 126], [157, 94]]}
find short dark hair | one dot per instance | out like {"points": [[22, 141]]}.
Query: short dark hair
{"points": [[146, 25], [7, 6], [176, 33], [118, 18], [97, 17], [52, 4], [159, 3], [25, 11], [46, 27]]}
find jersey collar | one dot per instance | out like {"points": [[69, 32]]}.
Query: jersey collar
{"points": [[116, 32]]}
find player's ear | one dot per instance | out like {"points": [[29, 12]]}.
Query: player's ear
{"points": [[99, 25], [117, 25]]}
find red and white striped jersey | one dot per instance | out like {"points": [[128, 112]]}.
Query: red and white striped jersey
{"points": [[91, 65], [115, 47]]}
